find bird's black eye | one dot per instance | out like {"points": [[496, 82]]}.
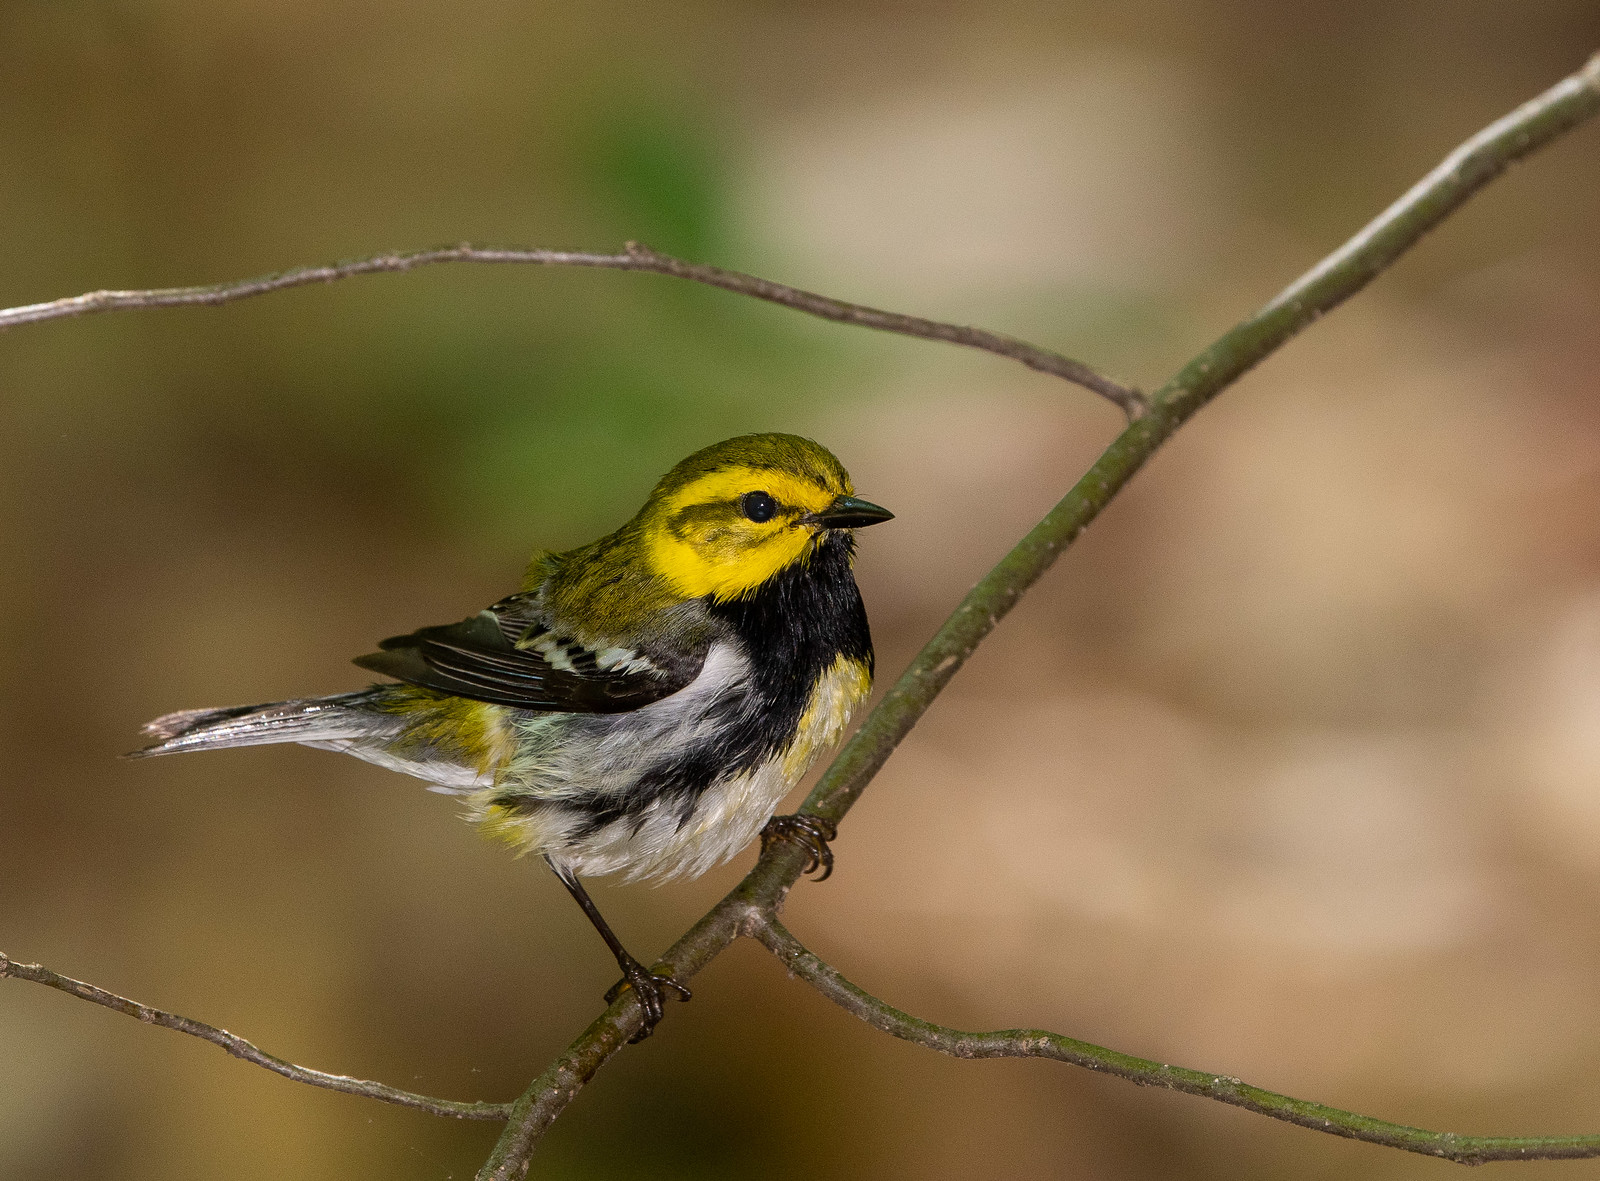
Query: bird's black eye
{"points": [[758, 506]]}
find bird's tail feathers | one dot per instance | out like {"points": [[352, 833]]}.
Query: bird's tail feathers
{"points": [[316, 719]]}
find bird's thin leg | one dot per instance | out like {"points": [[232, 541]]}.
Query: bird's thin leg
{"points": [[811, 833], [650, 988]]}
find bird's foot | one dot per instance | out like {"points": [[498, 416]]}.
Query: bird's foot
{"points": [[651, 990], [811, 833]]}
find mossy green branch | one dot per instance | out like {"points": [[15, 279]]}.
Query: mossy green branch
{"points": [[751, 908], [1040, 1043], [1328, 284], [753, 903]]}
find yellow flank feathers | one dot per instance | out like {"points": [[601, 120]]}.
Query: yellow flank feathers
{"points": [[701, 544], [833, 701], [475, 733], [644, 703], [508, 825]]}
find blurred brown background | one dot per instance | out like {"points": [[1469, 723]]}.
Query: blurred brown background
{"points": [[1290, 771]]}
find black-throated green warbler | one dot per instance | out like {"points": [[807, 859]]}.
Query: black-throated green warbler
{"points": [[644, 702]]}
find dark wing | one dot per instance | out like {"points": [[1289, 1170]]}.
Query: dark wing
{"points": [[480, 658]]}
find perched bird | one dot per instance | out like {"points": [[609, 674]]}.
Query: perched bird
{"points": [[644, 702]]}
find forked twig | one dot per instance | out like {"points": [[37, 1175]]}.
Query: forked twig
{"points": [[751, 908], [760, 895]]}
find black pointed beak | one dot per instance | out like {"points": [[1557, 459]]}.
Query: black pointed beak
{"points": [[848, 512]]}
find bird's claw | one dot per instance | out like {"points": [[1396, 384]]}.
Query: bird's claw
{"points": [[651, 990], [811, 833]]}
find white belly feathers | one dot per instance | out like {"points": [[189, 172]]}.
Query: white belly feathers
{"points": [[570, 769]]}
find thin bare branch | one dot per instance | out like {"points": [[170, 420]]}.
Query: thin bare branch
{"points": [[548, 1095], [1039, 1043], [240, 1048], [633, 258], [1325, 286], [752, 906], [1328, 284]]}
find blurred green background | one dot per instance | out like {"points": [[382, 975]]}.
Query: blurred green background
{"points": [[1291, 771]]}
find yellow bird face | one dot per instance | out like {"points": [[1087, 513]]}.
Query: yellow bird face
{"points": [[725, 531]]}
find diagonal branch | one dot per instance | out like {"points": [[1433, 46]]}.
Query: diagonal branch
{"points": [[750, 908], [1039, 1043], [634, 257], [1328, 284], [1339, 276], [240, 1048], [741, 912]]}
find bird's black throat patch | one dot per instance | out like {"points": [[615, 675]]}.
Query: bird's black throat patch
{"points": [[794, 628]]}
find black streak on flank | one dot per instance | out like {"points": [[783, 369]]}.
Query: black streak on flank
{"points": [[794, 628]]}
